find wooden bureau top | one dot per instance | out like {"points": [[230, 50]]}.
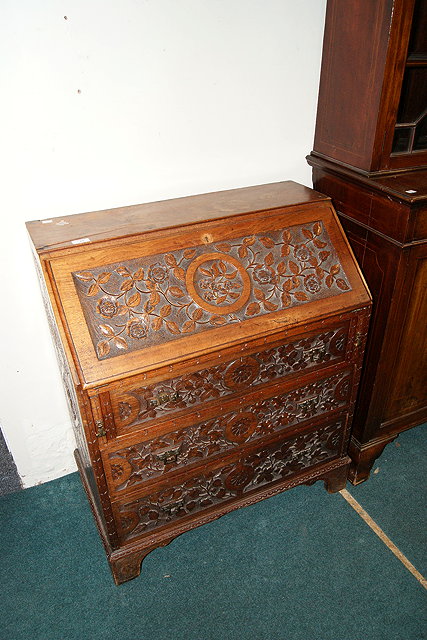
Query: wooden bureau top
{"points": [[149, 286], [96, 226]]}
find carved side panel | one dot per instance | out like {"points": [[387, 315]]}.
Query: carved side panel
{"points": [[169, 397], [88, 450], [208, 489], [155, 299], [133, 465]]}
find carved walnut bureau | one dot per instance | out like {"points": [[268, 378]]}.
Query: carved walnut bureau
{"points": [[210, 348]]}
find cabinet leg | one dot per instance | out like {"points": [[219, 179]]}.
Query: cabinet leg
{"points": [[129, 566], [336, 480], [363, 459]]}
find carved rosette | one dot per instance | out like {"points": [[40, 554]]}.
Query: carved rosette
{"points": [[147, 403], [270, 464], [136, 464], [154, 299]]}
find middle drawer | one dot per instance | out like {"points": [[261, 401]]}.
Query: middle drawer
{"points": [[127, 467]]}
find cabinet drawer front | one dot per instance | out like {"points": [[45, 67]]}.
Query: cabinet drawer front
{"points": [[141, 404], [225, 482], [129, 467]]}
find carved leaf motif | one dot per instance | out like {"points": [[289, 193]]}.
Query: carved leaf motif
{"points": [[179, 273], [197, 314], [217, 320], [286, 236], [253, 309], [103, 277], [267, 242], [319, 244], [154, 298], [176, 292], [317, 228], [301, 295], [287, 285], [138, 275], [269, 259], [281, 268], [335, 269], [259, 294], [342, 284], [222, 266], [166, 310], [126, 285], [123, 271], [120, 343], [224, 246], [313, 261], [134, 300], [106, 330], [286, 299], [170, 260], [188, 326], [285, 251], [173, 327], [122, 309], [329, 280], [270, 306], [157, 323], [232, 275], [308, 234], [293, 267], [243, 252], [189, 253], [248, 242], [93, 290], [85, 276], [103, 348]]}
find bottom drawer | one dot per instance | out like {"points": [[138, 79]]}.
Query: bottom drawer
{"points": [[228, 480]]}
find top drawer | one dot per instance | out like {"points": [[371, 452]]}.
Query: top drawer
{"points": [[125, 408]]}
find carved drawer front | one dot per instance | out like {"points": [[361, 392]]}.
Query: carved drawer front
{"points": [[129, 467], [226, 481], [143, 404]]}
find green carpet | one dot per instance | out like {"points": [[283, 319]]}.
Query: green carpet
{"points": [[299, 566]]}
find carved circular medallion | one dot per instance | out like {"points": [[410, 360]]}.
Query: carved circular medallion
{"points": [[120, 470], [241, 427], [239, 478], [218, 283], [241, 373], [342, 390], [126, 409]]}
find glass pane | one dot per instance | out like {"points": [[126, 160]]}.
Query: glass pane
{"points": [[413, 99], [418, 41], [420, 139], [401, 140]]}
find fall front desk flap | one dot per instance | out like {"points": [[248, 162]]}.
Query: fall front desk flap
{"points": [[146, 286]]}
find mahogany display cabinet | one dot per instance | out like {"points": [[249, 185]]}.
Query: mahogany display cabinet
{"points": [[370, 157], [210, 348]]}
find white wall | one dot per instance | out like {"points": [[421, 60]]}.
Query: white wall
{"points": [[128, 102]]}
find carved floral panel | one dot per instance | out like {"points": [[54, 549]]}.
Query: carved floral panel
{"points": [[142, 404], [269, 464], [136, 464], [154, 299]]}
